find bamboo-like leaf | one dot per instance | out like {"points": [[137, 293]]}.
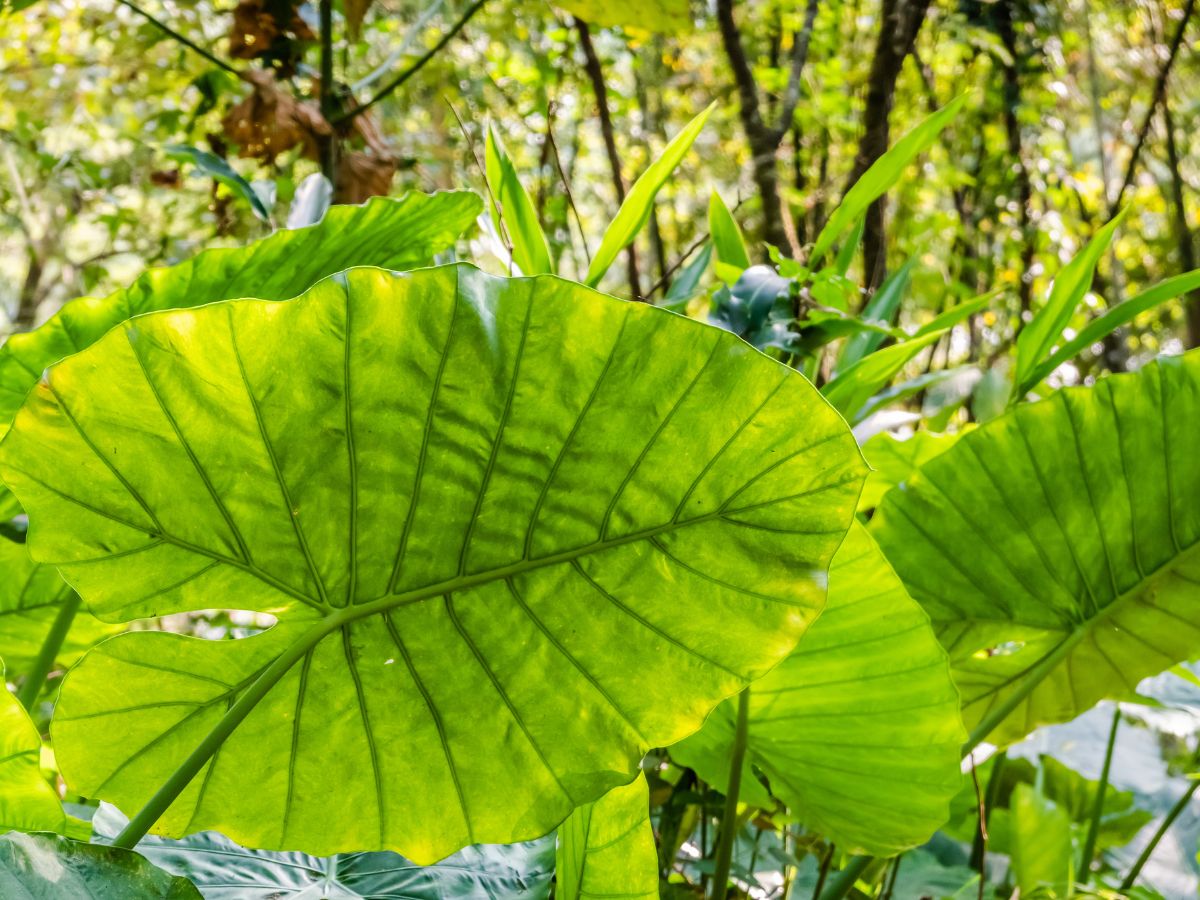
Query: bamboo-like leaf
{"points": [[1070, 285], [882, 174], [858, 731], [727, 240], [881, 309], [852, 388], [49, 867], [512, 206], [453, 490], [635, 211], [606, 848], [1055, 547]]}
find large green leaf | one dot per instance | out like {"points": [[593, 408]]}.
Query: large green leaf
{"points": [[668, 16], [456, 492], [27, 802], [858, 731], [30, 596], [635, 209], [223, 870], [395, 234], [606, 848], [49, 867], [1055, 547]]}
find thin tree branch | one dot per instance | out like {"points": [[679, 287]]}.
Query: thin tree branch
{"points": [[412, 70], [800, 45], [1160, 90], [171, 32]]}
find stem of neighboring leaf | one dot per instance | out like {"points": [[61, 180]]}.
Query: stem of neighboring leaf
{"points": [[847, 878], [140, 824], [328, 142], [412, 70], [171, 32], [729, 821], [982, 834], [823, 872], [51, 645], [1089, 844], [1158, 836], [990, 800]]}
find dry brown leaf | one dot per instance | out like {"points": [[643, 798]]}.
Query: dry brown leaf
{"points": [[362, 175], [270, 121], [356, 11]]}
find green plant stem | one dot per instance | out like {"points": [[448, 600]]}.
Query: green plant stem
{"points": [[327, 142], [140, 824], [1158, 836], [847, 878], [51, 645], [1089, 844], [729, 821], [991, 798], [412, 70], [171, 32]]}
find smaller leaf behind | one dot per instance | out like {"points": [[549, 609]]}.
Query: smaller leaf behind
{"points": [[634, 212], [852, 388], [27, 802], [512, 209], [732, 257], [606, 848]]}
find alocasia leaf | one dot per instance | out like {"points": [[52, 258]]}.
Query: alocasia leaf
{"points": [[515, 532], [30, 597], [49, 867], [223, 870], [894, 461], [858, 730], [27, 802], [393, 233], [606, 848], [1055, 547]]}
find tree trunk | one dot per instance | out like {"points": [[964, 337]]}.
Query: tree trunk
{"points": [[899, 23], [1012, 128]]}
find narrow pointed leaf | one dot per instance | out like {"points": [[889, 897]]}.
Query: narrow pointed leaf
{"points": [[395, 234], [223, 870], [635, 211], [852, 388], [882, 174], [882, 309], [1121, 314], [1070, 285], [1055, 547], [512, 206], [606, 848], [219, 169], [858, 730], [49, 867], [727, 239], [452, 490]]}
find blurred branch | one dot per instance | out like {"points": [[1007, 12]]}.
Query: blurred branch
{"points": [[175, 35], [800, 45], [416, 67]]}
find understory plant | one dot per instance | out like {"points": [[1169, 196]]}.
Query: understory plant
{"points": [[535, 583]]}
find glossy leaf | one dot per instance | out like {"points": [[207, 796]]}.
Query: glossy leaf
{"points": [[1121, 314], [27, 802], [882, 174], [30, 596], [686, 284], [635, 210], [453, 490], [858, 731], [1070, 285], [606, 848], [403, 233], [215, 167], [512, 206], [49, 867], [666, 16], [223, 870], [1055, 547], [311, 202]]}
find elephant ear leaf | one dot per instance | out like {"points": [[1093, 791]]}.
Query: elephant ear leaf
{"points": [[50, 867], [606, 848], [1056, 547], [452, 490], [27, 802], [400, 234], [223, 870], [858, 730]]}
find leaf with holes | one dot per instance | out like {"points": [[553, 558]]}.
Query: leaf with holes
{"points": [[858, 730], [1055, 547], [223, 870], [606, 848], [454, 491]]}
